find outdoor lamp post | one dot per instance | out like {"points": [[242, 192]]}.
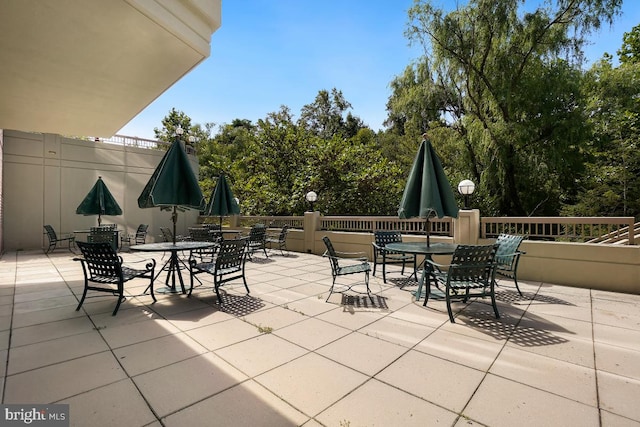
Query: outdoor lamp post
{"points": [[179, 131], [311, 198], [466, 188]]}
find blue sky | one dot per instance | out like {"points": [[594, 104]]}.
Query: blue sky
{"points": [[269, 53]]}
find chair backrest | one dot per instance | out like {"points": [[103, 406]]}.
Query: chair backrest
{"points": [[104, 236], [383, 238], [231, 255], [283, 233], [101, 259], [212, 226], [167, 234], [472, 263], [141, 234], [331, 252], [200, 234], [508, 245], [257, 233], [51, 233]]}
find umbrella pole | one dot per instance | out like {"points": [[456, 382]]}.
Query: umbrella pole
{"points": [[428, 229], [174, 218], [99, 220]]}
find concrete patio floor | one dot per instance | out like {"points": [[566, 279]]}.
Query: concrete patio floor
{"points": [[283, 356]]}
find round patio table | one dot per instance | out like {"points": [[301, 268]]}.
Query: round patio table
{"points": [[421, 248], [172, 266]]}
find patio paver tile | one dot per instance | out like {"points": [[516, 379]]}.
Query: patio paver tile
{"points": [[372, 356], [117, 404], [311, 383], [566, 379], [49, 352], [502, 402], [312, 333], [436, 380], [184, 383], [247, 404], [260, 354], [63, 380], [619, 395], [156, 353], [376, 404], [468, 351]]}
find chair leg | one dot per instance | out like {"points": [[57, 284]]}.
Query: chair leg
{"points": [[331, 289], [375, 264], [384, 272], [515, 280], [153, 296], [366, 281], [84, 295], [448, 298], [120, 299], [493, 302], [216, 287]]}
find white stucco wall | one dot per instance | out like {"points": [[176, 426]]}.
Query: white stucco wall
{"points": [[46, 176]]}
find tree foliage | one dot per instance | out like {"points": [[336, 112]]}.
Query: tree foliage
{"points": [[507, 82], [501, 94]]}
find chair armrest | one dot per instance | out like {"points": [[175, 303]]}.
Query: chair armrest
{"points": [[352, 255], [149, 263], [439, 267]]}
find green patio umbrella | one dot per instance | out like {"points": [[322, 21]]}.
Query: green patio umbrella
{"points": [[173, 185], [222, 201], [428, 190], [99, 201]]}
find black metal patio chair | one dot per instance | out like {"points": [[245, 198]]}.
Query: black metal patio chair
{"points": [[54, 239], [227, 264], [103, 234], [345, 263], [257, 240], [138, 238], [508, 257], [385, 256], [279, 240], [103, 267], [470, 275]]}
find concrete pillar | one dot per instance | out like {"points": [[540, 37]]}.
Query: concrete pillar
{"points": [[466, 228], [311, 225]]}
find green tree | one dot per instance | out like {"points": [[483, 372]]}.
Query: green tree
{"points": [[629, 53], [325, 116], [507, 83], [611, 186], [170, 123]]}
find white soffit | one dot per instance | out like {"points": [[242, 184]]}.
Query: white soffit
{"points": [[87, 67]]}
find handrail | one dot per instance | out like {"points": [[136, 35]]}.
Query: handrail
{"points": [[575, 229], [438, 226], [580, 229], [134, 141]]}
